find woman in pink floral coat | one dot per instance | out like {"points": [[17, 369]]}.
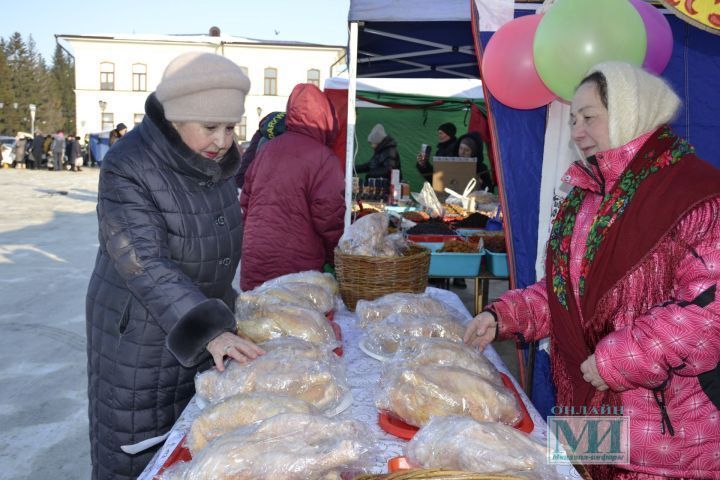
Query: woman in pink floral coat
{"points": [[633, 263]]}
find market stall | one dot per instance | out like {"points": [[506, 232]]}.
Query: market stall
{"points": [[363, 373]]}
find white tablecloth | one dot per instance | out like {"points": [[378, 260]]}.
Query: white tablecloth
{"points": [[363, 375]]}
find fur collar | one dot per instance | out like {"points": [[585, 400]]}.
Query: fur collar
{"points": [[187, 160]]}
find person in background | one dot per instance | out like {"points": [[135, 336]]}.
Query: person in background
{"points": [[292, 198], [470, 145], [58, 150], [75, 157], [160, 302], [629, 299], [69, 140], [21, 144], [117, 133], [37, 150], [272, 125], [385, 155], [447, 147]]}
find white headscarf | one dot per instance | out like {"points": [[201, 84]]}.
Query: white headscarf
{"points": [[638, 102]]}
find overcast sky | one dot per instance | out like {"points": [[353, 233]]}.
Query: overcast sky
{"points": [[316, 21]]}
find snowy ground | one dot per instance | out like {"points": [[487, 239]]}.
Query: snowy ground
{"points": [[47, 250], [48, 242]]}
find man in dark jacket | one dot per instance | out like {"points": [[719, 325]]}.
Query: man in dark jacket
{"points": [[116, 134], [385, 157], [37, 149], [292, 199], [447, 147]]}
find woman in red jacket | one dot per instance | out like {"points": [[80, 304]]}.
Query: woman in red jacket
{"points": [[293, 197], [633, 263]]}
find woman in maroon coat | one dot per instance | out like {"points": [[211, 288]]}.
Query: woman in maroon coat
{"points": [[293, 199]]}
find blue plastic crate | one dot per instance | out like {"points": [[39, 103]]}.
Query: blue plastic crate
{"points": [[497, 263], [454, 264]]}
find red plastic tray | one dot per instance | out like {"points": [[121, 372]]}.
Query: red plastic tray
{"points": [[338, 335], [433, 238], [394, 426], [180, 454]]}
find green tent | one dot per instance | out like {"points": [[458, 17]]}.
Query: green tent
{"points": [[411, 120]]}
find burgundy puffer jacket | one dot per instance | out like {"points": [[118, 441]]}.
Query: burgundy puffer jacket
{"points": [[293, 197]]}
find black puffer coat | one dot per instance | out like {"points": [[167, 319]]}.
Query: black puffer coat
{"points": [[170, 242], [384, 159]]}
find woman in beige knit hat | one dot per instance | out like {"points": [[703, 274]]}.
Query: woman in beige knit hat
{"points": [[160, 301], [629, 296]]}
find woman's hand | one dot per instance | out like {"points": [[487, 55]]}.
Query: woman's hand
{"points": [[229, 344], [421, 160], [592, 375], [481, 331]]}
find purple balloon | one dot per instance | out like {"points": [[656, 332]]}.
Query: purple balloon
{"points": [[659, 37]]}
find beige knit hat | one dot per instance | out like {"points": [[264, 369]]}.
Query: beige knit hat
{"points": [[203, 87], [638, 101], [377, 134]]}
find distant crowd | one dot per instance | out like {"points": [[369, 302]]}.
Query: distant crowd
{"points": [[53, 152]]}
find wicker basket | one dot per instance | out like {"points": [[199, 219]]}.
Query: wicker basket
{"points": [[368, 278], [435, 474]]}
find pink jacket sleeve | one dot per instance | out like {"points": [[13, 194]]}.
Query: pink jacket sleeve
{"points": [[523, 313], [679, 337]]}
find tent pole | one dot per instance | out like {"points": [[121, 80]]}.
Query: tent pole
{"points": [[351, 116]]}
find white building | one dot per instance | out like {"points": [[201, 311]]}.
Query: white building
{"points": [[115, 73]]}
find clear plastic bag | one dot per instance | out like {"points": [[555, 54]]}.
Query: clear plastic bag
{"points": [[385, 337], [415, 351], [237, 411], [316, 377], [371, 311], [263, 323], [324, 280], [415, 394], [429, 201], [301, 294], [290, 446], [366, 236], [461, 443]]}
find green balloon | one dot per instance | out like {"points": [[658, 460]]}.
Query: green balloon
{"points": [[574, 35]]}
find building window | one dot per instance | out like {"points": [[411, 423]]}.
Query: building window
{"points": [[271, 81], [241, 129], [138, 118], [313, 76], [107, 76], [139, 77], [108, 122]]}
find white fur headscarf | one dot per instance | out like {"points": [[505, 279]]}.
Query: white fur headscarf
{"points": [[638, 102]]}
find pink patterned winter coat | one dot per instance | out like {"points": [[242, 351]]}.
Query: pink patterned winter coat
{"points": [[662, 347]]}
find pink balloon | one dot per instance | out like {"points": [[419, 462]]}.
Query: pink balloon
{"points": [[508, 67], [659, 37]]}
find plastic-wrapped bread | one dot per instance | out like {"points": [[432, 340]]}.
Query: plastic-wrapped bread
{"points": [[293, 347], [289, 446], [385, 337], [441, 352], [275, 320], [299, 294], [366, 236], [237, 411], [324, 280], [461, 443], [372, 311], [418, 393], [319, 381]]}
